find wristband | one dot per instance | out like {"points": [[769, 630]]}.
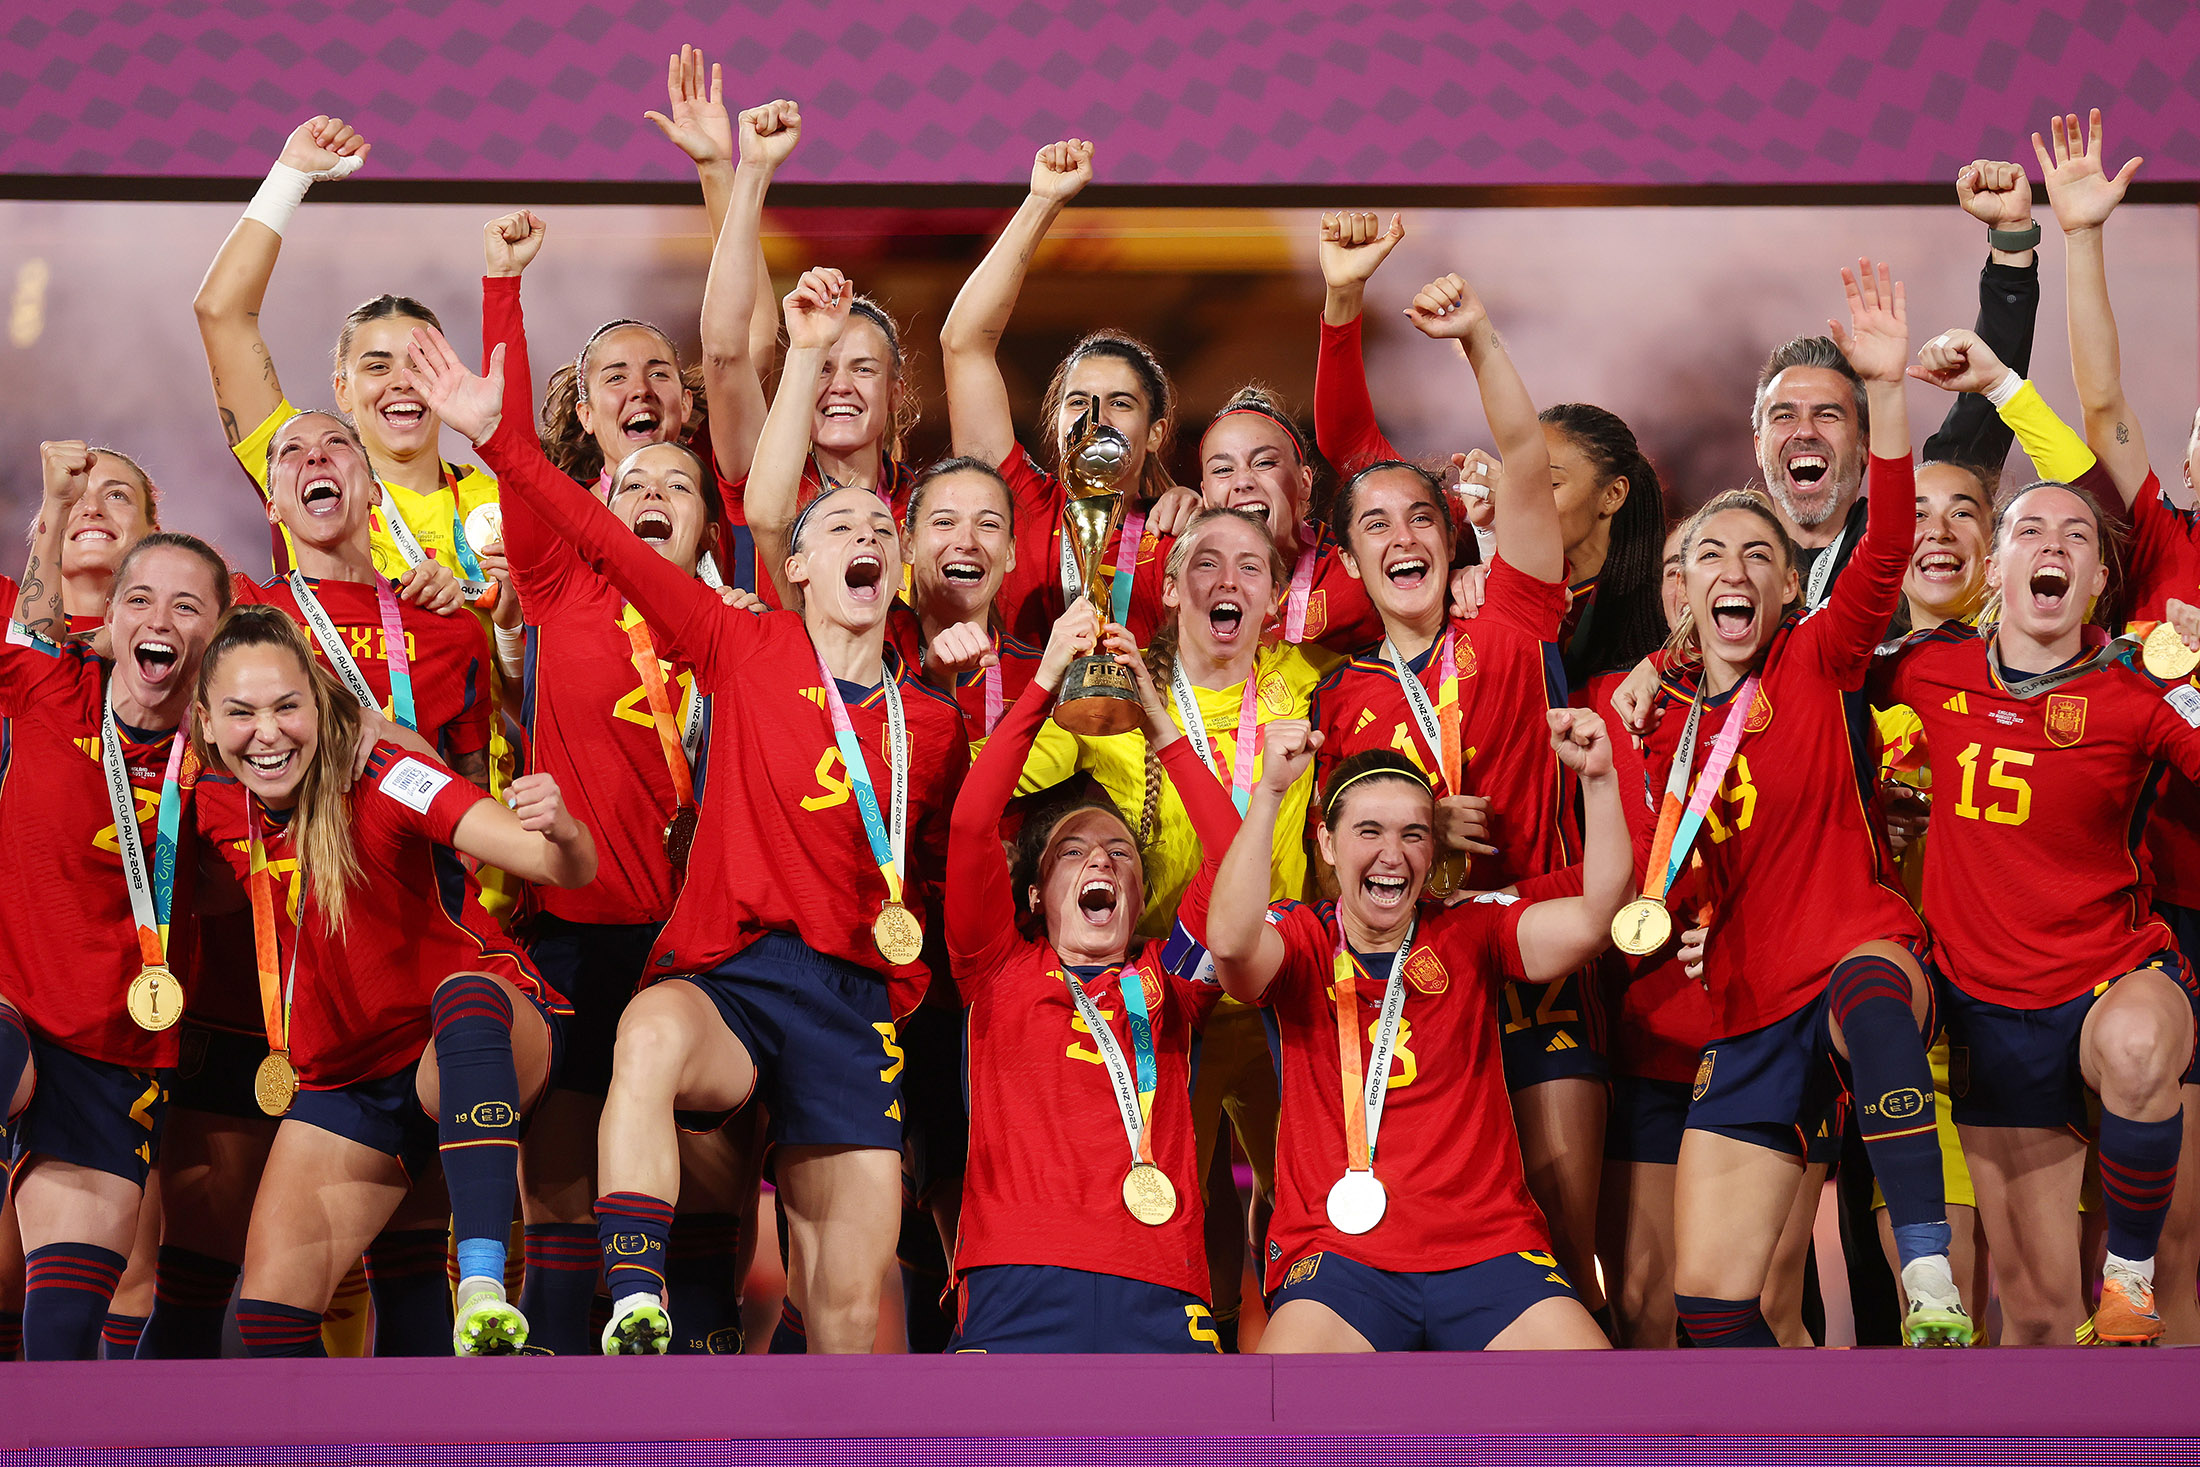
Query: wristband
{"points": [[285, 189], [2001, 392], [2015, 241], [511, 649]]}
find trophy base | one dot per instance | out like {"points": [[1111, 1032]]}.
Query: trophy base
{"points": [[1097, 697]]}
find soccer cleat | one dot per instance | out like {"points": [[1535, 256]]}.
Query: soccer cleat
{"points": [[2126, 1314], [639, 1326], [1936, 1317], [485, 1323]]}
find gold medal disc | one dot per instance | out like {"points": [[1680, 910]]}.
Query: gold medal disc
{"points": [[2166, 655], [680, 836], [900, 937], [1149, 1194], [1641, 927], [156, 999], [1444, 877], [275, 1084]]}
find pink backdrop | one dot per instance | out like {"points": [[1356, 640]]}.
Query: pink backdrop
{"points": [[1176, 91]]}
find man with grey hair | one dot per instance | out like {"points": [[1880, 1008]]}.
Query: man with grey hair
{"points": [[1810, 425]]}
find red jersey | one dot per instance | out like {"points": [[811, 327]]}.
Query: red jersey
{"points": [[2032, 877], [781, 847], [1345, 429], [2163, 562], [1661, 1018], [360, 1004], [68, 940], [974, 692], [1047, 1149], [1505, 689], [587, 712], [449, 655], [738, 564], [1796, 870], [1448, 1153]]}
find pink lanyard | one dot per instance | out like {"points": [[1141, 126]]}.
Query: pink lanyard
{"points": [[1248, 732], [1302, 587], [993, 689]]}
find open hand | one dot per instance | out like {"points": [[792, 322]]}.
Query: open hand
{"points": [[473, 405], [1877, 341], [698, 125], [2079, 188]]}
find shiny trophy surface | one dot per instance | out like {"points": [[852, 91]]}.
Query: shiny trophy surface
{"points": [[1097, 694]]}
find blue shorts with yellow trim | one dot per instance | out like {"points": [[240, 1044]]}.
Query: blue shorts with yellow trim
{"points": [[1456, 1309], [1780, 1087], [1040, 1309], [1645, 1122], [89, 1113], [2019, 1067], [1552, 1031], [215, 1071], [821, 1034]]}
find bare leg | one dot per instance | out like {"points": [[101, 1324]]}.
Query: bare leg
{"points": [[1635, 1206], [1783, 1296], [1561, 1125], [2027, 1179], [843, 1213]]}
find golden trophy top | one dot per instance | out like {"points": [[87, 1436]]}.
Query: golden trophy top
{"points": [[1091, 470]]}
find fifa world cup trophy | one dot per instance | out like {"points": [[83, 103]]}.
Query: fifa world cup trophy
{"points": [[1097, 695]]}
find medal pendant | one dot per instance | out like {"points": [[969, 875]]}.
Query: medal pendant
{"points": [[156, 999], [1357, 1202], [680, 836], [1444, 877], [900, 937], [1641, 927], [275, 1083], [2166, 656], [1149, 1194], [484, 526]]}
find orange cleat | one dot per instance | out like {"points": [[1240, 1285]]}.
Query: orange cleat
{"points": [[2126, 1315]]}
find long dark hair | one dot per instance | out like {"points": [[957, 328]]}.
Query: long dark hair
{"points": [[1154, 477], [1628, 622]]}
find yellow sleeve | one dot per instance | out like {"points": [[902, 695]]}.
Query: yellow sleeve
{"points": [[251, 450], [2054, 447], [1055, 756]]}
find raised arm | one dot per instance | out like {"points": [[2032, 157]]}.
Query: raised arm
{"points": [[817, 312], [1558, 936], [2083, 195], [691, 623], [1248, 952], [536, 839], [246, 390], [66, 470], [1999, 196], [1526, 510], [738, 291], [1960, 361], [978, 415], [1351, 247], [509, 245], [1877, 344]]}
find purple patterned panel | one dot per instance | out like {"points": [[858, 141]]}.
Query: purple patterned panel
{"points": [[1470, 92]]}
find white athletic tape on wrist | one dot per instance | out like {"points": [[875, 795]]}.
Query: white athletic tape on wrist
{"points": [[285, 189]]}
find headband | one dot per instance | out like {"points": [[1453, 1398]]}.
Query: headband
{"points": [[1395, 771], [1298, 440]]}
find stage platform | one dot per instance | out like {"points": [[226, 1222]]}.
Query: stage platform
{"points": [[1963, 1409]]}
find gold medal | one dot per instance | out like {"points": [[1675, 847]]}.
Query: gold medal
{"points": [[1641, 927], [680, 836], [1444, 877], [2166, 655], [275, 1084], [900, 937], [1149, 1194], [156, 999]]}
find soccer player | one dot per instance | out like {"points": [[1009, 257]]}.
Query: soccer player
{"points": [[1465, 698], [1786, 830], [1108, 374], [1611, 505], [1429, 1240], [425, 501], [785, 978], [99, 872], [1081, 1231], [116, 507], [403, 1026]]}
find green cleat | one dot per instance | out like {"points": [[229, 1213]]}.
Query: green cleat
{"points": [[484, 1323], [639, 1326]]}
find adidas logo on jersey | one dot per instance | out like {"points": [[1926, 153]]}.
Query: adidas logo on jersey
{"points": [[1960, 703], [1560, 1042]]}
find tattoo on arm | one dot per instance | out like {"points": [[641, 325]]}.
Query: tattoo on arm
{"points": [[2123, 434], [473, 768], [230, 429]]}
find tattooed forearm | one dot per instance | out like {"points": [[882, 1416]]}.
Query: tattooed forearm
{"points": [[230, 429], [2123, 434]]}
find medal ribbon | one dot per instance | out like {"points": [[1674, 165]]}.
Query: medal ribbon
{"points": [[1657, 875], [152, 886], [277, 990], [2119, 649], [408, 544], [1133, 1098], [469, 564], [1714, 774], [1366, 1086], [1821, 570], [1302, 589], [1439, 725], [886, 842], [340, 658], [1186, 699], [671, 738], [1132, 535]]}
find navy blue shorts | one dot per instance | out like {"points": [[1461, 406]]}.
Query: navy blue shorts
{"points": [[2019, 1067], [91, 1114], [1779, 1087], [596, 965], [1457, 1309], [1552, 1031], [216, 1071], [821, 1033], [1034, 1309], [383, 1115], [1645, 1121], [936, 1126]]}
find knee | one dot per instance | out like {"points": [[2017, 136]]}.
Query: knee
{"points": [[649, 1052], [2136, 1046]]}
